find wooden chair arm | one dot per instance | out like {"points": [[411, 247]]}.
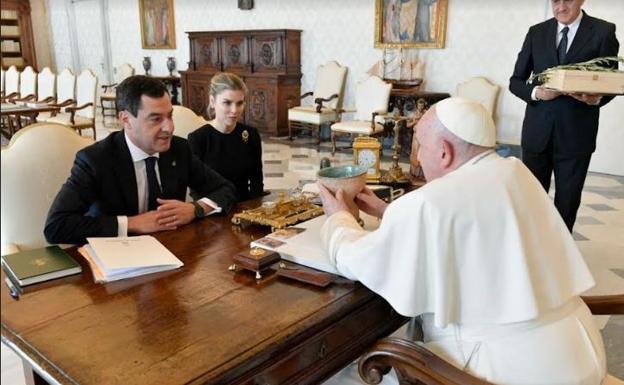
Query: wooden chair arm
{"points": [[77, 108], [413, 364], [72, 111], [49, 99], [319, 102], [64, 103], [10, 96], [105, 87], [26, 98], [605, 304]]}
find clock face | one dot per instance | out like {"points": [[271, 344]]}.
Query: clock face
{"points": [[367, 158]]}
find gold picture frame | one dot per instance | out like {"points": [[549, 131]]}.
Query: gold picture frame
{"points": [[398, 24], [157, 24]]}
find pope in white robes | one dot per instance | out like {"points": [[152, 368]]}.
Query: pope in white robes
{"points": [[480, 254]]}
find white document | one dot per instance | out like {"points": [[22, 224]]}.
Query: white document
{"points": [[306, 248], [117, 258]]}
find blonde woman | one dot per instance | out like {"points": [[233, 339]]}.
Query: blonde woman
{"points": [[231, 148]]}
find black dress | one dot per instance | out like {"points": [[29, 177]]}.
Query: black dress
{"points": [[237, 156]]}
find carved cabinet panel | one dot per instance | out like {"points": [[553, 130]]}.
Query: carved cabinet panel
{"points": [[235, 54], [205, 54], [267, 60]]}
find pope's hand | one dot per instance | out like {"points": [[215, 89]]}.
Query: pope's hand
{"points": [[332, 204], [368, 202]]}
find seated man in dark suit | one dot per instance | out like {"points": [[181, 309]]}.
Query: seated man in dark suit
{"points": [[135, 180]]}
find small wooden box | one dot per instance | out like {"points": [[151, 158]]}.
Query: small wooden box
{"points": [[591, 82], [255, 259]]}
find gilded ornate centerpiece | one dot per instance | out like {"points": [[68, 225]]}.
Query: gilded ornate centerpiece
{"points": [[285, 211]]}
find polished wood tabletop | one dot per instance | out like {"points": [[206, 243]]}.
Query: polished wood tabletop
{"points": [[200, 324]]}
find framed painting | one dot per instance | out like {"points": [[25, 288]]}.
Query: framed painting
{"points": [[157, 24], [410, 23]]}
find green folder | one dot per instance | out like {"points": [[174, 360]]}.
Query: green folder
{"points": [[34, 266]]}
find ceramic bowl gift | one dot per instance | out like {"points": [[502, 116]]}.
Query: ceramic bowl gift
{"points": [[350, 178]]}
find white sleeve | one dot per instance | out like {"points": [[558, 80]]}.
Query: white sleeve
{"points": [[122, 226]]}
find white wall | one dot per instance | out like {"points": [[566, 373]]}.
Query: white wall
{"points": [[483, 38]]}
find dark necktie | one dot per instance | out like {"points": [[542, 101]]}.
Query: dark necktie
{"points": [[563, 45], [153, 189]]}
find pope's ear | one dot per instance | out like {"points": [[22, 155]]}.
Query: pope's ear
{"points": [[447, 154]]}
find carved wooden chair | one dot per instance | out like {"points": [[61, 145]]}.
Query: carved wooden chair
{"points": [[35, 165], [11, 84], [416, 365], [107, 98], [27, 86], [65, 93], [480, 90], [371, 104], [46, 86], [327, 96], [81, 114]]}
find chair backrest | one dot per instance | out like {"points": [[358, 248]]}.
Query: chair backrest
{"points": [[35, 164], [28, 82], [371, 95], [330, 80], [46, 81], [86, 90], [65, 86], [122, 72], [11, 80], [2, 79], [480, 90], [186, 121]]}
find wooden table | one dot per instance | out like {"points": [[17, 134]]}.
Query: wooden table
{"points": [[12, 110], [200, 324]]}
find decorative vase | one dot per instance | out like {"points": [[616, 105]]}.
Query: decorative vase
{"points": [[147, 64], [171, 65]]}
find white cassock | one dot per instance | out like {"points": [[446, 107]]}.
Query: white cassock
{"points": [[484, 257]]}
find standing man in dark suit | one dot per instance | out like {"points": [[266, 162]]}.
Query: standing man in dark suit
{"points": [[559, 130], [135, 180]]}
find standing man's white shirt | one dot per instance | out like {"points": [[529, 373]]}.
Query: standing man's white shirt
{"points": [[484, 256]]}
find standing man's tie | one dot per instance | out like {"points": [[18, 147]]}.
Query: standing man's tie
{"points": [[563, 45], [153, 188]]}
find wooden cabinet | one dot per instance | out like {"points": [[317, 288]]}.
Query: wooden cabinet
{"points": [[16, 41], [269, 61]]}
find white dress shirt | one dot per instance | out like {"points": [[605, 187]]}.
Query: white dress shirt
{"points": [[572, 28], [138, 158]]}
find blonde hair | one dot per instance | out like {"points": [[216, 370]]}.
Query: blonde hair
{"points": [[223, 81]]}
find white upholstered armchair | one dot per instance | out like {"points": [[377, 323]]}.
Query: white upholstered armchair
{"points": [[35, 164], [371, 103], [27, 85], [81, 115], [480, 90], [11, 84], [327, 97], [65, 93], [186, 121]]}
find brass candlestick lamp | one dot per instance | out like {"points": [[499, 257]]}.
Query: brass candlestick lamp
{"points": [[395, 174]]}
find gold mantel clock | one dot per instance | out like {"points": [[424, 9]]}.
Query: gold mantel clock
{"points": [[367, 153]]}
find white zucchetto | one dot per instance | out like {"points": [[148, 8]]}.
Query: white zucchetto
{"points": [[468, 120]]}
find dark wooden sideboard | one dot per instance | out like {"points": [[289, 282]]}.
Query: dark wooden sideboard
{"points": [[269, 61]]}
